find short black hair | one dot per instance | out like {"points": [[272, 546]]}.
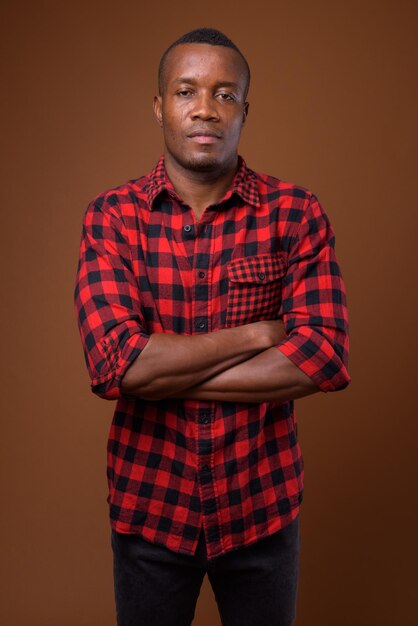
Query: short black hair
{"points": [[211, 36]]}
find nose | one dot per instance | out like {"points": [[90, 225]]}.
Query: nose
{"points": [[204, 108]]}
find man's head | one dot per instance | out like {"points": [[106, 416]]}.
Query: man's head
{"points": [[209, 36], [201, 106]]}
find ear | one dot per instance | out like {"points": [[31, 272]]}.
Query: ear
{"points": [[245, 112], [158, 110]]}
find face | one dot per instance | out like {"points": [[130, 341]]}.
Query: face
{"points": [[202, 108]]}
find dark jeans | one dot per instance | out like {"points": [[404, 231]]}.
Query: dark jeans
{"points": [[254, 586]]}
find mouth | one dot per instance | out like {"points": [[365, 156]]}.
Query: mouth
{"points": [[204, 136]]}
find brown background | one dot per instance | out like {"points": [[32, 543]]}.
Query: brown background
{"points": [[333, 107]]}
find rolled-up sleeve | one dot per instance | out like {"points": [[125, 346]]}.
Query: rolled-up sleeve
{"points": [[314, 305], [107, 300]]}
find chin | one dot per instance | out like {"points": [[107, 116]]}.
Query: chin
{"points": [[205, 164], [199, 162]]}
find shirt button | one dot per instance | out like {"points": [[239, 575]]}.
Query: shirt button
{"points": [[202, 274], [200, 324], [205, 468], [261, 275], [204, 419], [187, 228]]}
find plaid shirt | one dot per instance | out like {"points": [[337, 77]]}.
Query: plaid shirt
{"points": [[266, 250]]}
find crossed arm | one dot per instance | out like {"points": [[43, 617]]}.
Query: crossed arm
{"points": [[236, 364], [251, 363]]}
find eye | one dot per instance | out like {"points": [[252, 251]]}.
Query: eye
{"points": [[224, 95], [184, 92]]}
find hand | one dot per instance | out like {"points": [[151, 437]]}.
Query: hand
{"points": [[271, 330]]}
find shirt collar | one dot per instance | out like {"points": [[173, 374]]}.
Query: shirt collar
{"points": [[244, 184]]}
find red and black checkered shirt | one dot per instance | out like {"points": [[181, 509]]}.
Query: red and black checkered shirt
{"points": [[266, 250]]}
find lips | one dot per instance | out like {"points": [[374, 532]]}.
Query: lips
{"points": [[204, 133]]}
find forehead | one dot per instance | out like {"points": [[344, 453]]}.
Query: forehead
{"points": [[204, 62]]}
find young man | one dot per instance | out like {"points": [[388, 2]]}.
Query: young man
{"points": [[208, 297]]}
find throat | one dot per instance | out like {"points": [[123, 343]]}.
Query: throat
{"points": [[197, 190]]}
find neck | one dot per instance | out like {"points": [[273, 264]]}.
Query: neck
{"points": [[200, 189]]}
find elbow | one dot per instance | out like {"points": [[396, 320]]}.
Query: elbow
{"points": [[319, 355], [146, 390], [111, 390], [343, 384], [333, 364], [338, 382], [345, 381], [105, 391]]}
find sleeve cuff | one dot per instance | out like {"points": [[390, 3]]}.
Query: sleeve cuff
{"points": [[107, 385], [314, 355]]}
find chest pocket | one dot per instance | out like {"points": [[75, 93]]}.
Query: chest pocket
{"points": [[254, 288]]}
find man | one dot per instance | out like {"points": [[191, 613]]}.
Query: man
{"points": [[208, 297]]}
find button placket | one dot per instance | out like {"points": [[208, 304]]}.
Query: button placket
{"points": [[204, 417], [201, 287]]}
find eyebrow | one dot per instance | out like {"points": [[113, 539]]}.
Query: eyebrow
{"points": [[219, 83]]}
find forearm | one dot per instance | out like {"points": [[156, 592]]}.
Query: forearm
{"points": [[267, 377], [172, 363]]}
